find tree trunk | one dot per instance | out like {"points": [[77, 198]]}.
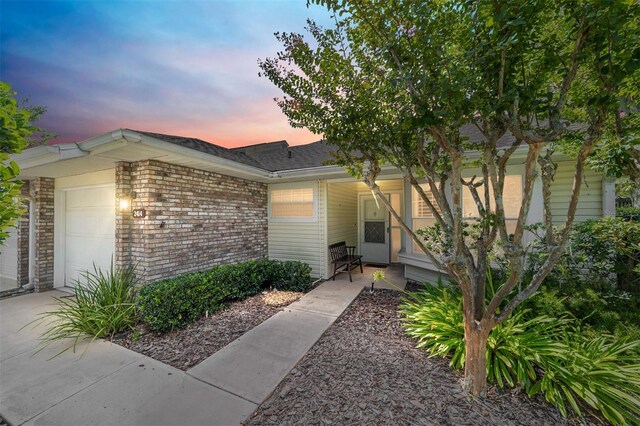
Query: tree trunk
{"points": [[475, 367]]}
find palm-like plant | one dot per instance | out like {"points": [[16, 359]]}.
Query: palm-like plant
{"points": [[544, 355], [103, 304]]}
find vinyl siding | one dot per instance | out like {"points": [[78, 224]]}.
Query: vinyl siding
{"points": [[342, 215], [589, 206], [303, 241], [385, 185], [590, 203], [421, 275]]}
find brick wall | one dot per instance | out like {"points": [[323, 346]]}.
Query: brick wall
{"points": [[41, 191], [194, 219], [23, 238]]}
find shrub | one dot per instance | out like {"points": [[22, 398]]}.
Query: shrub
{"points": [[179, 301], [542, 354], [242, 279], [291, 276], [599, 251], [104, 304], [631, 214]]}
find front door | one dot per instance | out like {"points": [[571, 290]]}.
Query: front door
{"points": [[374, 230]]}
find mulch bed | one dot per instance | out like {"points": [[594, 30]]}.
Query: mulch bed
{"points": [[364, 370], [184, 348]]}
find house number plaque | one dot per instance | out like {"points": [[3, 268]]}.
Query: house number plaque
{"points": [[139, 213]]}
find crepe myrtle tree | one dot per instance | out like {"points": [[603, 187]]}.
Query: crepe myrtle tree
{"points": [[392, 83]]}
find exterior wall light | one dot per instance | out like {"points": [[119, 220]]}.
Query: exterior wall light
{"points": [[124, 204], [125, 201]]}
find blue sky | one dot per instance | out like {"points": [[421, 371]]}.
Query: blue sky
{"points": [[170, 66]]}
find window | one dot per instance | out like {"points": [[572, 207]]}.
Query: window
{"points": [[512, 199], [293, 203], [421, 213]]}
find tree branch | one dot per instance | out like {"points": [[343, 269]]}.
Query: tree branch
{"points": [[557, 250]]}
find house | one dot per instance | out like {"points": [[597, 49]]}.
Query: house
{"points": [[175, 204]]}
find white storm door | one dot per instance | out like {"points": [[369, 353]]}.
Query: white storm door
{"points": [[374, 230], [9, 261], [90, 230]]}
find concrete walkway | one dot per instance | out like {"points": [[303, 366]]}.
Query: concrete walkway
{"points": [[112, 385], [253, 365]]}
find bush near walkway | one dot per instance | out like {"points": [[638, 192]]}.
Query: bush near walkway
{"points": [[179, 301]]}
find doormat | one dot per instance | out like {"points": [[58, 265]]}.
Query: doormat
{"points": [[376, 265]]}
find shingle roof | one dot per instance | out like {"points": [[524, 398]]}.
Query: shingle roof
{"points": [[203, 146], [280, 156], [475, 135]]}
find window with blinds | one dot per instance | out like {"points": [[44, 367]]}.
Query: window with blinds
{"points": [[511, 196], [420, 207], [292, 203], [421, 213]]}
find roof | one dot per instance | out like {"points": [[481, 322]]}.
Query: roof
{"points": [[275, 156], [204, 146], [270, 156], [279, 155]]}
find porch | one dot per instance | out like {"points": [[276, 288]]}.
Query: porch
{"points": [[357, 218]]}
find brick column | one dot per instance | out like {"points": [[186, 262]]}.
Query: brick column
{"points": [[123, 218], [23, 238], [41, 191]]}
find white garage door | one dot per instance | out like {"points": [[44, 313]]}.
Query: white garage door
{"points": [[90, 230], [9, 261]]}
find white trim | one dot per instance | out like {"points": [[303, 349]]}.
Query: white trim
{"points": [[59, 227], [120, 138], [284, 186], [32, 241], [325, 229]]}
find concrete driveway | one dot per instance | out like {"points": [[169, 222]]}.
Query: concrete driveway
{"points": [[107, 385]]}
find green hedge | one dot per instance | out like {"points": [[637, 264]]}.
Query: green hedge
{"points": [[179, 301]]}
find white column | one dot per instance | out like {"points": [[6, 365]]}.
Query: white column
{"points": [[609, 197], [536, 210]]}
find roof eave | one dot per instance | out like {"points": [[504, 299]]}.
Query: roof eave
{"points": [[223, 163]]}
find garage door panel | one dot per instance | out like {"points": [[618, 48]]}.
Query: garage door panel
{"points": [[89, 230], [90, 197], [80, 224]]}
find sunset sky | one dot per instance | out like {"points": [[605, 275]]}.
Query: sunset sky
{"points": [[170, 66]]}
